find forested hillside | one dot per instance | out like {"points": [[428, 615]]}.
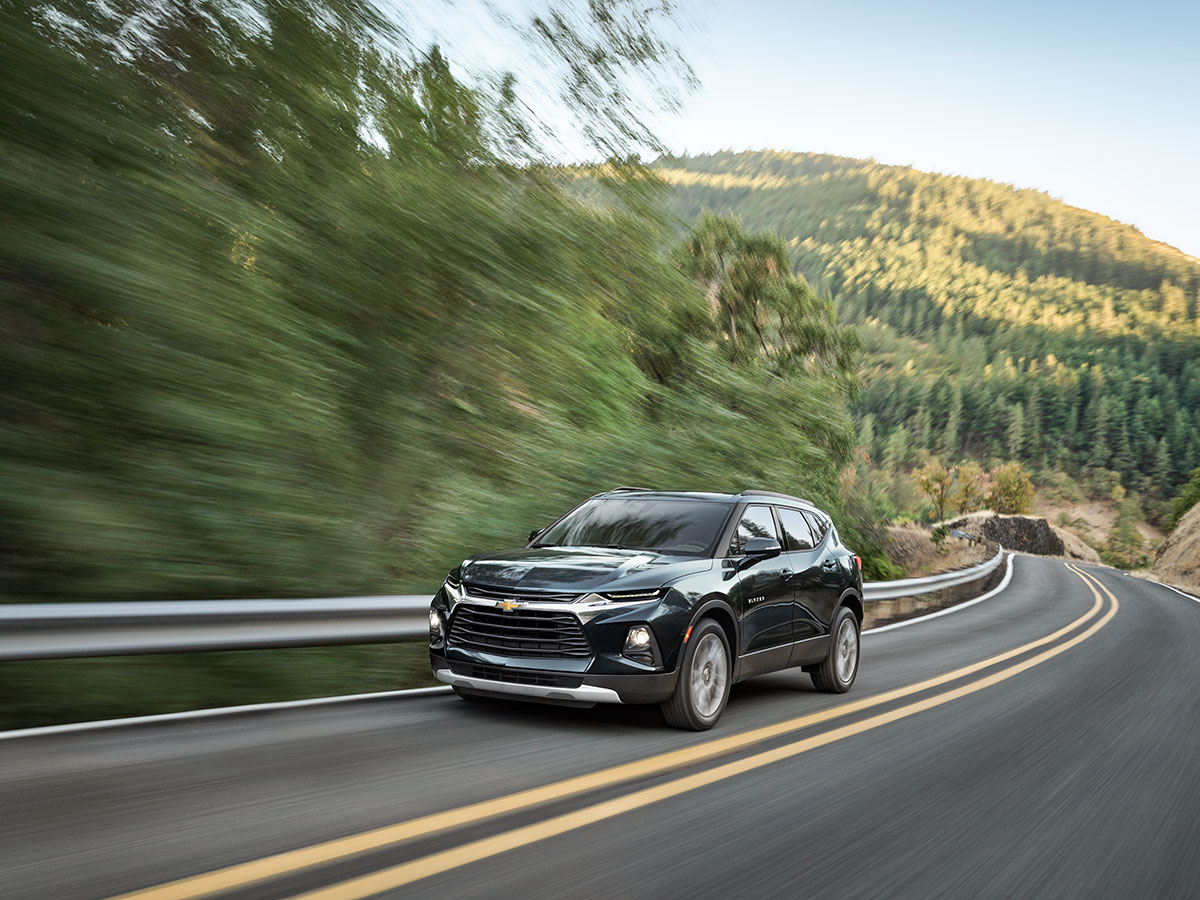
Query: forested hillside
{"points": [[998, 323]]}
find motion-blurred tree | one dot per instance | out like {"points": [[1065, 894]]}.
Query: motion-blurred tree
{"points": [[290, 309]]}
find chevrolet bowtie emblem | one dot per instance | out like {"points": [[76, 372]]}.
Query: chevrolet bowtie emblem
{"points": [[509, 605]]}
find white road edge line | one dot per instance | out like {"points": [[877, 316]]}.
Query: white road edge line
{"points": [[73, 727], [945, 612], [1169, 588], [77, 727]]}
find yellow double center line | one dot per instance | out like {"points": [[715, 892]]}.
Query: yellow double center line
{"points": [[396, 876]]}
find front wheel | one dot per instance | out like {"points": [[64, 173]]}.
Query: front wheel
{"points": [[704, 675], [837, 673]]}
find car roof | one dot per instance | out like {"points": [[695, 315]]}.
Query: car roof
{"points": [[743, 496]]}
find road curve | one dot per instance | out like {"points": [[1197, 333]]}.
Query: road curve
{"points": [[1042, 743]]}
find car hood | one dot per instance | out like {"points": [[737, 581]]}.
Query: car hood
{"points": [[579, 569]]}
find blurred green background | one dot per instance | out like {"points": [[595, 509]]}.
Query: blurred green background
{"points": [[289, 310]]}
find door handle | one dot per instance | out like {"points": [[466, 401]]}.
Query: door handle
{"points": [[829, 564], [786, 573]]}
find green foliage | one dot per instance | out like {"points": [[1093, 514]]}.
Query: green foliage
{"points": [[761, 308], [939, 535], [865, 507], [1012, 491], [289, 311], [974, 487]]}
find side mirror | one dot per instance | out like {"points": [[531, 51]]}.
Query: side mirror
{"points": [[762, 548], [533, 534]]}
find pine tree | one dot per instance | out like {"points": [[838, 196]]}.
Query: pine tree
{"points": [[1100, 453], [1033, 420], [950, 440], [866, 433], [1122, 458], [1163, 481], [1014, 435]]}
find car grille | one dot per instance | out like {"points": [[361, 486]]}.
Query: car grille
{"points": [[488, 592], [516, 676], [523, 632]]}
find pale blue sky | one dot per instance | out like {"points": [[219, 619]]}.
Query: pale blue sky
{"points": [[1096, 103]]}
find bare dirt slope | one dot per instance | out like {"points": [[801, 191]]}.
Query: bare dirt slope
{"points": [[1178, 560], [1093, 520], [912, 550], [1075, 547]]}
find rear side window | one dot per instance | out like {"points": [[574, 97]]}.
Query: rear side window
{"points": [[820, 524], [757, 521], [796, 529]]}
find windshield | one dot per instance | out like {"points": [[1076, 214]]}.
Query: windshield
{"points": [[680, 527]]}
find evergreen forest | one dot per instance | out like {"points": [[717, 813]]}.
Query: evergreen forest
{"points": [[997, 323]]}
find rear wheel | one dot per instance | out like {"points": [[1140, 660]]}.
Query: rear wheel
{"points": [[704, 676], [837, 673]]}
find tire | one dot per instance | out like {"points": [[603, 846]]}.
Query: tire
{"points": [[836, 674], [705, 673]]}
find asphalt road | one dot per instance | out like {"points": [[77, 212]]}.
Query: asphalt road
{"points": [[1043, 743]]}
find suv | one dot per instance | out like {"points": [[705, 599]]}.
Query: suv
{"points": [[640, 596]]}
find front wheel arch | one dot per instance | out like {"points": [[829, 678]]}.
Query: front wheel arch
{"points": [[717, 608]]}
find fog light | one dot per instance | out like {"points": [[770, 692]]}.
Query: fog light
{"points": [[435, 626], [638, 639]]}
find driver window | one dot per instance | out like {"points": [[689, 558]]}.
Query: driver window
{"points": [[757, 521]]}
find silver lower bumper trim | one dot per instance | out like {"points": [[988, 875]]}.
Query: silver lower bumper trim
{"points": [[582, 694]]}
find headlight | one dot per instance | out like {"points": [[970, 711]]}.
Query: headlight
{"points": [[631, 596], [436, 629], [642, 596]]}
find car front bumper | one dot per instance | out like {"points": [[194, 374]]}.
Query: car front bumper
{"points": [[548, 685], [585, 693]]}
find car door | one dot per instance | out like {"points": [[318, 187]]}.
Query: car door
{"points": [[763, 594], [805, 562]]}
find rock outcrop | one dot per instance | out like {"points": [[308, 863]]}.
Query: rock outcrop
{"points": [[1029, 534], [1178, 559]]}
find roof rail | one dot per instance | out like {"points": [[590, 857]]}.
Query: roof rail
{"points": [[619, 490], [776, 494]]}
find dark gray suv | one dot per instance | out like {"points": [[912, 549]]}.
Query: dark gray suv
{"points": [[640, 596]]}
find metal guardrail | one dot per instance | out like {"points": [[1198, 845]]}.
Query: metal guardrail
{"points": [[73, 630], [911, 587], [70, 630]]}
